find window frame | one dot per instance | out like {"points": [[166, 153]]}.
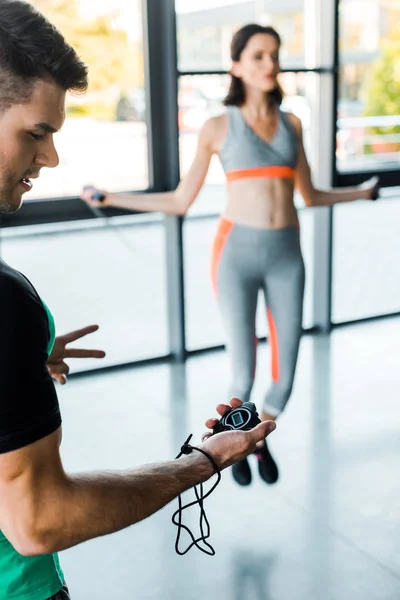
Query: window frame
{"points": [[161, 81], [389, 176]]}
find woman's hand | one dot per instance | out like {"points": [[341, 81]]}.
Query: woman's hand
{"points": [[95, 197], [370, 188]]}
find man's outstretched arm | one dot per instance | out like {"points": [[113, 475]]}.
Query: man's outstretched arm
{"points": [[44, 510]]}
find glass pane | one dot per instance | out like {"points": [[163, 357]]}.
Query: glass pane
{"points": [[369, 101], [114, 277], [205, 29], [104, 139], [366, 250], [203, 322], [200, 97]]}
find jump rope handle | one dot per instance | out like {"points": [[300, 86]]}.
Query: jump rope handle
{"points": [[96, 195]]}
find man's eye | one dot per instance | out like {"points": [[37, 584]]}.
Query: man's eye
{"points": [[36, 136]]}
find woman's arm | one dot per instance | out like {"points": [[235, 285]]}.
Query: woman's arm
{"points": [[178, 201], [368, 190]]}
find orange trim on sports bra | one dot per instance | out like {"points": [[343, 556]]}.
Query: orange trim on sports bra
{"points": [[267, 172]]}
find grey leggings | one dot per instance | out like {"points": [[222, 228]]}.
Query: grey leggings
{"points": [[246, 260]]}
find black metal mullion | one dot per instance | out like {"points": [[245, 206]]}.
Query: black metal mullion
{"points": [[317, 70], [151, 362], [336, 73], [361, 320], [387, 177], [135, 364], [161, 77], [161, 72], [56, 210], [334, 172]]}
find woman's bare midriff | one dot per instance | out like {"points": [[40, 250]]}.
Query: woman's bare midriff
{"points": [[262, 203]]}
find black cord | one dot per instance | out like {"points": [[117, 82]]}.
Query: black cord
{"points": [[205, 530]]}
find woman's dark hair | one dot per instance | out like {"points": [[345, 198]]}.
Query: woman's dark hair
{"points": [[236, 94], [31, 48]]}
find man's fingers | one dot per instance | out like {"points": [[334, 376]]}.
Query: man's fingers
{"points": [[259, 432], [235, 402], [78, 353], [211, 423], [262, 430], [59, 369], [79, 333], [222, 409], [205, 436]]}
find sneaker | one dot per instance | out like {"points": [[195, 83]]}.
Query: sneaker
{"points": [[241, 472], [266, 465]]}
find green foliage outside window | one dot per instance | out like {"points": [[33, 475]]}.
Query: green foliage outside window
{"points": [[115, 62]]}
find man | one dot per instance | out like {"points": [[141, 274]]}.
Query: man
{"points": [[42, 508]]}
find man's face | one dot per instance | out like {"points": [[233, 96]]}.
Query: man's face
{"points": [[26, 142]]}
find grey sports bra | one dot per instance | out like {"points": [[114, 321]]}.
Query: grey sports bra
{"points": [[246, 155]]}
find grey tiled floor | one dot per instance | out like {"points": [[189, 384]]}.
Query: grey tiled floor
{"points": [[330, 528]]}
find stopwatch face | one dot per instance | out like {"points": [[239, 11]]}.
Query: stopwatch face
{"points": [[238, 418]]}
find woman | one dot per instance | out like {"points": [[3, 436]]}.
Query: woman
{"points": [[257, 245]]}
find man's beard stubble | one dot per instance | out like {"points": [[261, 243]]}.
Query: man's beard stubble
{"points": [[7, 207]]}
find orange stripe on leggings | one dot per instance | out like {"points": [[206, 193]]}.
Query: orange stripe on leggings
{"points": [[274, 346], [224, 228], [268, 172]]}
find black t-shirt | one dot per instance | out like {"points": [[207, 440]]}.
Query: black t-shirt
{"points": [[29, 409]]}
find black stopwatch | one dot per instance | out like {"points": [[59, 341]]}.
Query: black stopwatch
{"points": [[245, 417]]}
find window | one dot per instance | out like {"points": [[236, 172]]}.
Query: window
{"points": [[369, 91], [200, 97], [114, 277], [113, 272], [366, 247], [104, 138], [205, 29], [365, 242]]}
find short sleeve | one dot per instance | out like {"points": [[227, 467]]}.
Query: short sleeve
{"points": [[29, 407]]}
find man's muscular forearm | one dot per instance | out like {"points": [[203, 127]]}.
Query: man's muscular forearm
{"points": [[43, 509], [93, 505]]}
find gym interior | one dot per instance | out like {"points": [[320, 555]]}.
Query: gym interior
{"points": [[329, 528]]}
